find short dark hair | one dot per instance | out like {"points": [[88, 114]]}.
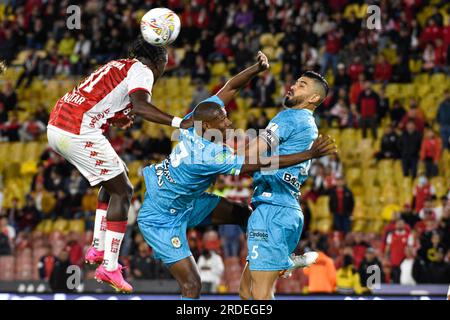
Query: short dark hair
{"points": [[318, 78], [141, 48], [206, 111]]}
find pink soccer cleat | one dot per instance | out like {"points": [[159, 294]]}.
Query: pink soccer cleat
{"points": [[113, 278], [94, 256]]}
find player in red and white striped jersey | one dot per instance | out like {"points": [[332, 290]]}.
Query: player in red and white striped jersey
{"points": [[114, 93]]}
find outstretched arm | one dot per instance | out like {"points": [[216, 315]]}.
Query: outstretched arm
{"points": [[143, 107], [322, 146], [240, 80]]}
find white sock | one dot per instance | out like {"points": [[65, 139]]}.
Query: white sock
{"points": [[98, 241], [113, 241]]}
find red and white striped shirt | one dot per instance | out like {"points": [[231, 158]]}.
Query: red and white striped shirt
{"points": [[85, 109]]}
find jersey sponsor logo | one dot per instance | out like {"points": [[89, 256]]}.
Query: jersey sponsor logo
{"points": [[292, 180], [258, 235], [162, 170], [98, 117], [176, 243]]}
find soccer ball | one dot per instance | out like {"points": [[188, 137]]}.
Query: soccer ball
{"points": [[160, 26]]}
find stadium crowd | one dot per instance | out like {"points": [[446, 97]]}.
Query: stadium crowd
{"points": [[331, 37]]}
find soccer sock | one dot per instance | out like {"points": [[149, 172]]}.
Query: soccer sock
{"points": [[115, 230], [98, 241]]}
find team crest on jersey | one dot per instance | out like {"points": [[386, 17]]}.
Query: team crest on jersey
{"points": [[176, 243]]}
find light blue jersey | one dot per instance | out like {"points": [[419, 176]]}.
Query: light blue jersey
{"points": [[291, 131], [275, 226], [190, 170], [175, 197]]}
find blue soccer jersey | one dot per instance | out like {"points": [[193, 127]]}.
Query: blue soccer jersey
{"points": [[186, 174], [291, 131]]}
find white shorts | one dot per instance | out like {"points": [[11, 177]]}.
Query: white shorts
{"points": [[93, 156]]}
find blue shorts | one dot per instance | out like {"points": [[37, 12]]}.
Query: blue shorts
{"points": [[273, 234], [169, 242]]}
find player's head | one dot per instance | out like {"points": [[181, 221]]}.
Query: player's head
{"points": [[212, 116], [309, 90], [152, 56]]}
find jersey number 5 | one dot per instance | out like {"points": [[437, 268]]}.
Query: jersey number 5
{"points": [[254, 252]]}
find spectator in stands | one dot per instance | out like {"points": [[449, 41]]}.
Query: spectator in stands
{"points": [[292, 58], [428, 58], [211, 268], [7, 230], [368, 106], [383, 70], [421, 192], [29, 216], [390, 144], [11, 129], [397, 113], [410, 145], [59, 279], [200, 94], [443, 118], [263, 90], [142, 264], [430, 152], [201, 70], [347, 278], [439, 270], [32, 129], [441, 207], [80, 55], [322, 274], [356, 69], [407, 267], [341, 205], [75, 249], [369, 265], [332, 46], [194, 243], [396, 243], [410, 216], [342, 80], [47, 263], [414, 114], [309, 57], [30, 69], [8, 45], [8, 101], [230, 235]]}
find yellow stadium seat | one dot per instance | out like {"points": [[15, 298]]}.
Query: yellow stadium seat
{"points": [[219, 69], [77, 225], [440, 186], [61, 225], [28, 168], [438, 79], [388, 211]]}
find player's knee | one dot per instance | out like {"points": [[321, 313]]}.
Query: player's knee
{"points": [[191, 288]]}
